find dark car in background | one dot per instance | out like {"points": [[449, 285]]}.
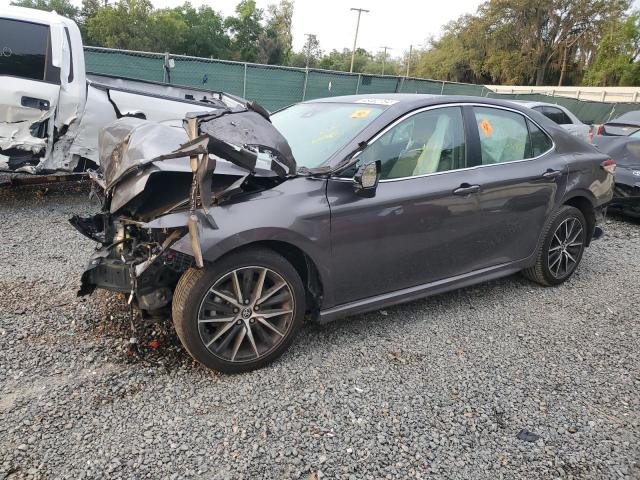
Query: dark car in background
{"points": [[620, 139], [627, 124], [334, 207]]}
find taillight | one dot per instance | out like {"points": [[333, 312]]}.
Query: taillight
{"points": [[609, 166], [590, 134], [600, 130]]}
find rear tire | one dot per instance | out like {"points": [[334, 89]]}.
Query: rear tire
{"points": [[240, 313], [563, 244]]}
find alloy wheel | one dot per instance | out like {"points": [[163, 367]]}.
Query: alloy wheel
{"points": [[246, 314], [566, 247]]}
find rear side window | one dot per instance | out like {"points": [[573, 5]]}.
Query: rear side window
{"points": [[557, 115], [25, 51], [507, 136], [504, 136]]}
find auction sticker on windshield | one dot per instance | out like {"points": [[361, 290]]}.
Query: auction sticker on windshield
{"points": [[377, 101]]}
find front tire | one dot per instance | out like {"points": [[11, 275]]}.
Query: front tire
{"points": [[241, 312], [564, 241]]}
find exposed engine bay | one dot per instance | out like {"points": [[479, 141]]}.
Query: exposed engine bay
{"points": [[160, 184]]}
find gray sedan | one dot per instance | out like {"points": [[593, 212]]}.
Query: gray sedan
{"points": [[563, 117], [243, 224]]}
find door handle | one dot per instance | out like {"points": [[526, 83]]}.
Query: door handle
{"points": [[31, 102], [550, 173], [466, 189]]}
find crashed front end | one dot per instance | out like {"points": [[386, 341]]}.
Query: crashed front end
{"points": [[159, 185]]}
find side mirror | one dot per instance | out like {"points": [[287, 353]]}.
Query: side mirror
{"points": [[365, 181]]}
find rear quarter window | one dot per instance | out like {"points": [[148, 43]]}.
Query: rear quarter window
{"points": [[540, 141], [25, 51]]}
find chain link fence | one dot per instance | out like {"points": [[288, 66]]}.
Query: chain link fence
{"points": [[276, 87]]}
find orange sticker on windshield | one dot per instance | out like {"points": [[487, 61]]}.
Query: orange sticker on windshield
{"points": [[486, 127], [364, 113]]}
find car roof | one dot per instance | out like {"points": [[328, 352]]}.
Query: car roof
{"points": [[533, 103], [409, 101], [382, 98]]}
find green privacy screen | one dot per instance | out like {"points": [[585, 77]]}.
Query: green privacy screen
{"points": [[276, 87]]}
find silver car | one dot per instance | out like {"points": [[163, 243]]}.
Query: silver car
{"points": [[563, 117]]}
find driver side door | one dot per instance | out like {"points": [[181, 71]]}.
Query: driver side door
{"points": [[415, 228]]}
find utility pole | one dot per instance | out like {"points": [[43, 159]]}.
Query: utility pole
{"points": [[355, 39], [310, 37], [384, 57], [409, 60]]}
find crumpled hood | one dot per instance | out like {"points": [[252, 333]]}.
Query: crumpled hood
{"points": [[128, 141], [241, 141]]}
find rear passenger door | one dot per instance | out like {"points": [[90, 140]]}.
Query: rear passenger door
{"points": [[521, 181], [421, 225]]}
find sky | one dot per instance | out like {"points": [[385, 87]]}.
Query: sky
{"points": [[396, 24]]}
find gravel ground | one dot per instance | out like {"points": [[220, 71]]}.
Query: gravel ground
{"points": [[438, 388]]}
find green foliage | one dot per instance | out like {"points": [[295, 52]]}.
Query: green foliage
{"points": [[521, 41], [127, 25], [245, 28], [616, 62], [61, 7], [275, 41], [205, 35]]}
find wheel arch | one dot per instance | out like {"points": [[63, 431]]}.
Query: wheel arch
{"points": [[301, 261], [583, 203]]}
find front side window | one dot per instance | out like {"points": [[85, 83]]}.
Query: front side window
{"points": [[24, 50], [427, 142], [507, 136]]}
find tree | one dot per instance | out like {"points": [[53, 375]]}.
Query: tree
{"points": [[310, 54], [125, 25], [616, 63], [341, 61], [521, 41], [275, 41], [167, 31], [61, 7], [245, 28], [205, 35]]}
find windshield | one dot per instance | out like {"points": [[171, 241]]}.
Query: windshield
{"points": [[315, 131]]}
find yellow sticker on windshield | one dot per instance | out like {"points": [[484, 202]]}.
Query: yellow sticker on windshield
{"points": [[486, 127], [364, 113]]}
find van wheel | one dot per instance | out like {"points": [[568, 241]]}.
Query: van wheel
{"points": [[241, 312], [565, 239]]}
